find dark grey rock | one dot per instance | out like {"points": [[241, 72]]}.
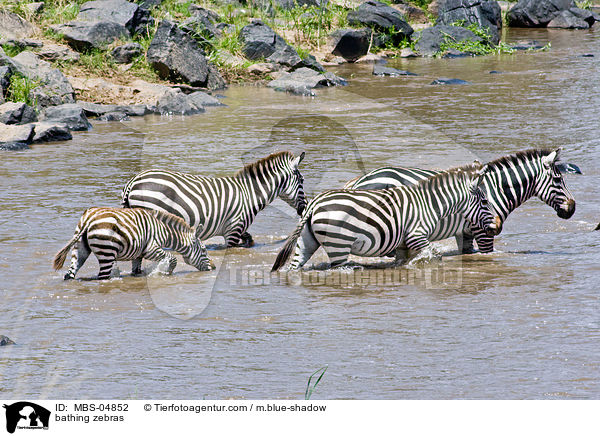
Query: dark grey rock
{"points": [[536, 13], [54, 52], [85, 35], [70, 114], [199, 10], [125, 13], [201, 27], [175, 102], [14, 146], [484, 13], [176, 56], [432, 38], [380, 70], [303, 80], [311, 62], [22, 133], [5, 73], [261, 42], [125, 53], [351, 44], [526, 45], [17, 113], [380, 17], [22, 43], [149, 4], [587, 55], [4, 340], [54, 87], [202, 99], [445, 81], [453, 54], [570, 19], [495, 72], [97, 109], [114, 116], [47, 131]]}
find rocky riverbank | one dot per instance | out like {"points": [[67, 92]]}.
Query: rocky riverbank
{"points": [[64, 62]]}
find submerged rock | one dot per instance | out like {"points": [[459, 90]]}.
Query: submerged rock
{"points": [[114, 116], [380, 70], [175, 102], [304, 80], [4, 340], [446, 81]]}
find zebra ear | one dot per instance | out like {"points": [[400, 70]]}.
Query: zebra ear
{"points": [[551, 158], [478, 177], [299, 159], [568, 168]]}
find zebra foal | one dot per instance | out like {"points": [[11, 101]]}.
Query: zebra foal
{"points": [[509, 182], [225, 206], [396, 221], [132, 234]]}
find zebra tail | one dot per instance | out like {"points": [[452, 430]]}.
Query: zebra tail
{"points": [[125, 193], [59, 259], [290, 244]]}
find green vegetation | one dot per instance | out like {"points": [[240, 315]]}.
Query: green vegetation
{"points": [[19, 89], [12, 50], [310, 388], [584, 4], [482, 47]]}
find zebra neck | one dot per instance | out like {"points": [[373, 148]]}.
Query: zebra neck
{"points": [[261, 191], [509, 187]]}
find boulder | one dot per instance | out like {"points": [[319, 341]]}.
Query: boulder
{"points": [[5, 73], [70, 114], [55, 52], [17, 113], [380, 17], [175, 102], [309, 61], [573, 18], [303, 80], [484, 13], [149, 4], [261, 42], [97, 109], [432, 38], [122, 12], [202, 99], [13, 133], [176, 56], [199, 10], [22, 43], [114, 116], [125, 53], [54, 87], [446, 81], [202, 22], [536, 13], [47, 131], [380, 70], [4, 340], [14, 146], [13, 26], [85, 35], [351, 44]]}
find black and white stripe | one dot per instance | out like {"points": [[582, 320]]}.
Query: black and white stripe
{"points": [[396, 221], [225, 206], [509, 182], [132, 234]]}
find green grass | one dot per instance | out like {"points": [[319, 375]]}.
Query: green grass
{"points": [[484, 46], [13, 50], [19, 89], [60, 11]]}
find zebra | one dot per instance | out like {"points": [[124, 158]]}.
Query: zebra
{"points": [[510, 181], [385, 222], [225, 206], [132, 234]]}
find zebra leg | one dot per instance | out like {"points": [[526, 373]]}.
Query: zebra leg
{"points": [[166, 261], [465, 243], [235, 240], [305, 248], [420, 249], [81, 251], [136, 266], [401, 255], [106, 266]]}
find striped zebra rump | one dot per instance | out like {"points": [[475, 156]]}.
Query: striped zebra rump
{"points": [[131, 234], [224, 206]]}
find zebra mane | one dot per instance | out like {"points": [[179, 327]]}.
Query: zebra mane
{"points": [[451, 174], [520, 156], [177, 223], [280, 155]]}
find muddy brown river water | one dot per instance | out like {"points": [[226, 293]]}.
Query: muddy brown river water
{"points": [[521, 323]]}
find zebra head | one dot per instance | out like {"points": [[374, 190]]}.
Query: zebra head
{"points": [[478, 210], [197, 255], [551, 188], [292, 188]]}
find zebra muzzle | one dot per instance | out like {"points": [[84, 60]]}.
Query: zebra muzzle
{"points": [[495, 227], [566, 210]]}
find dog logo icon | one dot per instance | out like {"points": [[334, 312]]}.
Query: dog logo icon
{"points": [[26, 415]]}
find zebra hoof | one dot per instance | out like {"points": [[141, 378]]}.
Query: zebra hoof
{"points": [[247, 240], [69, 276]]}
